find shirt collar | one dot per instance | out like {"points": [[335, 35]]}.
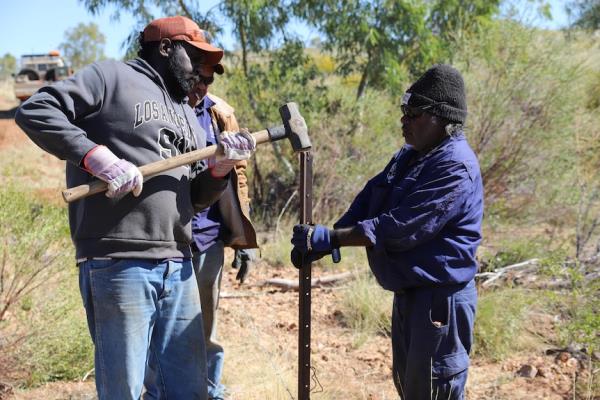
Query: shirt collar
{"points": [[208, 103], [204, 104], [442, 146]]}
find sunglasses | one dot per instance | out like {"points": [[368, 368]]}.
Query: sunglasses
{"points": [[207, 80], [416, 112]]}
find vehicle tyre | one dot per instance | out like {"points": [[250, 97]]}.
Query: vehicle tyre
{"points": [[31, 74]]}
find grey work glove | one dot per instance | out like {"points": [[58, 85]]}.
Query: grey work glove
{"points": [[243, 260]]}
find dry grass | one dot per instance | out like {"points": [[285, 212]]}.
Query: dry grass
{"points": [[260, 333], [28, 165], [7, 94]]}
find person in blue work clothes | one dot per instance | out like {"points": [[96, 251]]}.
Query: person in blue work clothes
{"points": [[224, 224], [420, 221]]}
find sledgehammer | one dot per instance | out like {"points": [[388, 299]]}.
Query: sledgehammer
{"points": [[294, 128]]}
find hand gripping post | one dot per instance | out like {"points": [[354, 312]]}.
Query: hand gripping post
{"points": [[301, 143]]}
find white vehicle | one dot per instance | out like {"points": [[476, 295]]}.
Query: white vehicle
{"points": [[38, 70]]}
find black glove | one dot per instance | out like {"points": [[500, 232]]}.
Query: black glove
{"points": [[243, 260], [296, 257]]}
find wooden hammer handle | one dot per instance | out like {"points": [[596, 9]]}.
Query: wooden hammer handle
{"points": [[148, 170]]}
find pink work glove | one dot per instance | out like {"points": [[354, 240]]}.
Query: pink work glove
{"points": [[121, 175], [236, 147]]}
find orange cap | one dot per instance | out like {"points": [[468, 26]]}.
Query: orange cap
{"points": [[184, 29], [217, 68]]}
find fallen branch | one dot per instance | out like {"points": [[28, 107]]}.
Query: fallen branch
{"points": [[289, 284], [500, 272], [87, 374], [567, 283], [238, 295], [524, 274]]}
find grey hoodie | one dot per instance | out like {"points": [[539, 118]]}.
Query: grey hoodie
{"points": [[126, 107]]}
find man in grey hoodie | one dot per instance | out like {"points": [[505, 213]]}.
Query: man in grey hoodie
{"points": [[133, 251]]}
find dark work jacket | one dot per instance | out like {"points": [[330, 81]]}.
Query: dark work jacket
{"points": [[424, 219]]}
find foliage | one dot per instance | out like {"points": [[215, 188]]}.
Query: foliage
{"points": [[276, 80], [143, 12], [352, 143], [521, 99], [366, 308], [34, 236], [512, 252], [255, 22], [367, 37], [383, 40], [269, 85], [8, 66], [500, 323], [587, 151], [586, 13], [62, 348], [83, 45], [580, 309]]}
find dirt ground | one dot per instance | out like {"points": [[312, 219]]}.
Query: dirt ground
{"points": [[258, 327]]}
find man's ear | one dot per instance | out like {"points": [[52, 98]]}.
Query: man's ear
{"points": [[165, 47]]}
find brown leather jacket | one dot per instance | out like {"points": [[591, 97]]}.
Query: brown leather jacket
{"points": [[234, 203]]}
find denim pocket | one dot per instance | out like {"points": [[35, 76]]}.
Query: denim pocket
{"points": [[95, 264]]}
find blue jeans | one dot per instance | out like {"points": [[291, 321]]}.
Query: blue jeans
{"points": [[432, 333], [141, 308], [209, 269]]}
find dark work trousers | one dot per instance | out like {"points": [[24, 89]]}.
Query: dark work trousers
{"points": [[432, 333]]}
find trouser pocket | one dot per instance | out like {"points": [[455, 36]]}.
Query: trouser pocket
{"points": [[451, 317], [431, 335]]}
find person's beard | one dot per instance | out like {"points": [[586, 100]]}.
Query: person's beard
{"points": [[178, 81]]}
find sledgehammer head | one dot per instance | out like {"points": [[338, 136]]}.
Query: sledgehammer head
{"points": [[295, 127]]}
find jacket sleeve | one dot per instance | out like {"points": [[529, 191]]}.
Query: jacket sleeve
{"points": [[50, 116], [224, 115], [424, 211], [240, 167], [206, 190]]}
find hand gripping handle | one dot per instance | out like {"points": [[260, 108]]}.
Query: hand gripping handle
{"points": [[148, 170]]}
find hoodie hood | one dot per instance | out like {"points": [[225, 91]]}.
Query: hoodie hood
{"points": [[142, 66]]}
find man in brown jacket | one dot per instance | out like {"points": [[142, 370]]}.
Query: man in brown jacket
{"points": [[224, 224]]}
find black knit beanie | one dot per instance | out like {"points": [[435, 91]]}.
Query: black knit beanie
{"points": [[440, 84]]}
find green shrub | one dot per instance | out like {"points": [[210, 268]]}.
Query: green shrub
{"points": [[500, 323], [367, 308], [510, 251], [33, 236], [525, 88], [581, 316], [61, 348], [41, 316]]}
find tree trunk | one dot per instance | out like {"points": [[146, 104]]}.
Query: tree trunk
{"points": [[244, 44], [364, 79]]}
